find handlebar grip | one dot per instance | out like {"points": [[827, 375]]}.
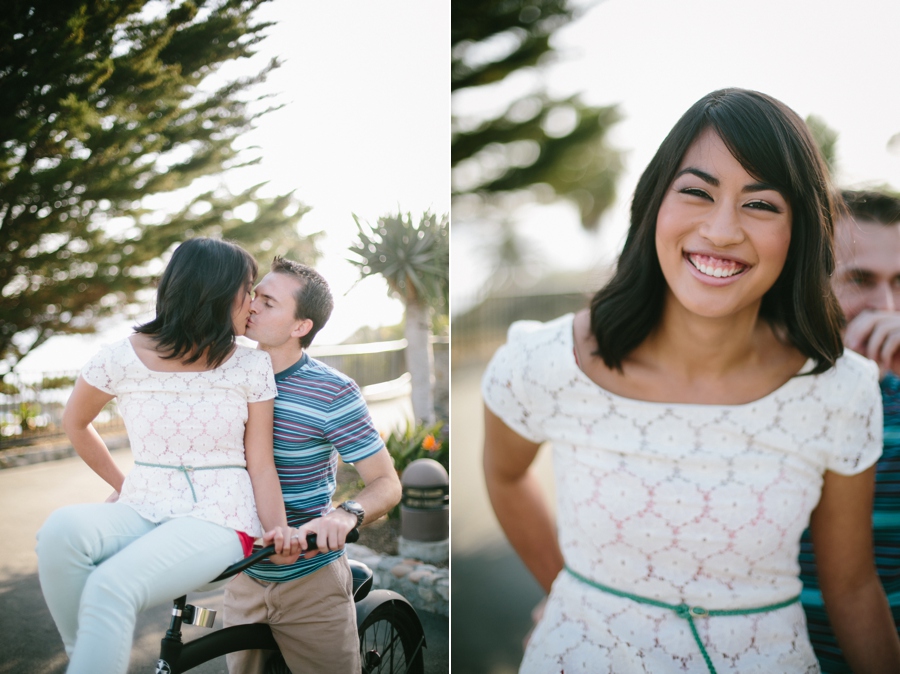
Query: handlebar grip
{"points": [[264, 553]]}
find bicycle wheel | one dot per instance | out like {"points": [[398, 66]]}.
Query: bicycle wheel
{"points": [[390, 642], [276, 665]]}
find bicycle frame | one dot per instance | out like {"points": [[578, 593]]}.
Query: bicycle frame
{"points": [[176, 657]]}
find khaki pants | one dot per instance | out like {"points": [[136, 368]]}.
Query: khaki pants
{"points": [[312, 618]]}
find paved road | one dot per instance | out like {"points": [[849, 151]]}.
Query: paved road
{"points": [[492, 593], [29, 643]]}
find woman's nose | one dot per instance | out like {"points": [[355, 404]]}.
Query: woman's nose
{"points": [[722, 226]]}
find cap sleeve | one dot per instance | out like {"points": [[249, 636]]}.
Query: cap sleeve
{"points": [[858, 444], [101, 371], [503, 388], [262, 385]]}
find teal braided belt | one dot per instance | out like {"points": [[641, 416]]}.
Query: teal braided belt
{"points": [[683, 610], [186, 471]]}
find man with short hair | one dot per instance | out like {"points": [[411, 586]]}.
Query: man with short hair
{"points": [[319, 413], [867, 284]]}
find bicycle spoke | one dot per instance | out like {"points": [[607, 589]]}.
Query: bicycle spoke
{"points": [[387, 649]]}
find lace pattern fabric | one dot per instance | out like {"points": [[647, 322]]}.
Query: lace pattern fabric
{"points": [[191, 419], [701, 504]]}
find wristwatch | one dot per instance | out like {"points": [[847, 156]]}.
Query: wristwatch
{"points": [[355, 509]]}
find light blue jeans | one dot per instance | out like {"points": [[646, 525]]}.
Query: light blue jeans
{"points": [[101, 563]]}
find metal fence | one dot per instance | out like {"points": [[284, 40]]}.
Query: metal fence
{"points": [[31, 404], [478, 332], [31, 407]]}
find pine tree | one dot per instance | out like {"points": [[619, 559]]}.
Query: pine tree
{"points": [[102, 104], [537, 139]]}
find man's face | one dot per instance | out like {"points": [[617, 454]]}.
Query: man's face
{"points": [[867, 274], [272, 322]]}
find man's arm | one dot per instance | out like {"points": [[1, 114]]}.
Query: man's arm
{"points": [[381, 493]]}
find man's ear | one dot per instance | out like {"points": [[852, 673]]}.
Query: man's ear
{"points": [[302, 328]]}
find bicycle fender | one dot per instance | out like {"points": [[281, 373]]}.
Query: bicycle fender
{"points": [[376, 598]]}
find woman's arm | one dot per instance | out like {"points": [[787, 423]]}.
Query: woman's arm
{"points": [[264, 477], [518, 499], [841, 527], [81, 409]]}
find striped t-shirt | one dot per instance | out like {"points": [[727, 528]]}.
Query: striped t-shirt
{"points": [[886, 536], [319, 413]]}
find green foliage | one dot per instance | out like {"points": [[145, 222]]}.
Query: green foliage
{"points": [[530, 24], [418, 442], [27, 415], [826, 138], [56, 383], [101, 105], [537, 140], [8, 389], [367, 334], [414, 259]]}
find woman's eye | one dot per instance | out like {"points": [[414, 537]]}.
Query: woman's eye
{"points": [[696, 192], [764, 206]]}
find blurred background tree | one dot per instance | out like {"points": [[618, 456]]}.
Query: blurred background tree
{"points": [[538, 145], [103, 105], [826, 138], [414, 259]]}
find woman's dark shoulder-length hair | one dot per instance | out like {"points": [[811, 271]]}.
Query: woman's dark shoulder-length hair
{"points": [[775, 146], [195, 298]]}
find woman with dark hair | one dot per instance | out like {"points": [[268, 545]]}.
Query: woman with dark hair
{"points": [[701, 412], [198, 409]]}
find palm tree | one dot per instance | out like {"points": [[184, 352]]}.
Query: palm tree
{"points": [[415, 262]]}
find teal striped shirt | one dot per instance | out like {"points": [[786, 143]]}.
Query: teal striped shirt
{"points": [[319, 414]]}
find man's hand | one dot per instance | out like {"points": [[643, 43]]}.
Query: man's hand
{"points": [[331, 532], [876, 335]]}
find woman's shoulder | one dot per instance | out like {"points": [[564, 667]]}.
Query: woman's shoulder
{"points": [[116, 349], [537, 332], [248, 356], [851, 366], [534, 351], [845, 385]]}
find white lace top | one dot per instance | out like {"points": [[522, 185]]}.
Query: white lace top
{"points": [[191, 419], [701, 504]]}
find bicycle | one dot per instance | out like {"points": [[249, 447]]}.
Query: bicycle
{"points": [[391, 636]]}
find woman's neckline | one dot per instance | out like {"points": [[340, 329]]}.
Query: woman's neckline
{"points": [[572, 360], [150, 369]]}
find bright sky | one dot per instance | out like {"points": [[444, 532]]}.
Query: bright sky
{"points": [[364, 130], [654, 58]]}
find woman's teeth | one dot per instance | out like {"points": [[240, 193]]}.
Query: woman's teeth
{"points": [[715, 267]]}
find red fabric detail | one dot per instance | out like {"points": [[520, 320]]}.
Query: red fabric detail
{"points": [[246, 542]]}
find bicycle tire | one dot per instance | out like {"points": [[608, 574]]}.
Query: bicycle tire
{"points": [[391, 642], [276, 665]]}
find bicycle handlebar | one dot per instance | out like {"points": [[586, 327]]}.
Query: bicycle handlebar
{"points": [[269, 550]]}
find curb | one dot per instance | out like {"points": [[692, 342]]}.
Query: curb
{"points": [[426, 586], [51, 451]]}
